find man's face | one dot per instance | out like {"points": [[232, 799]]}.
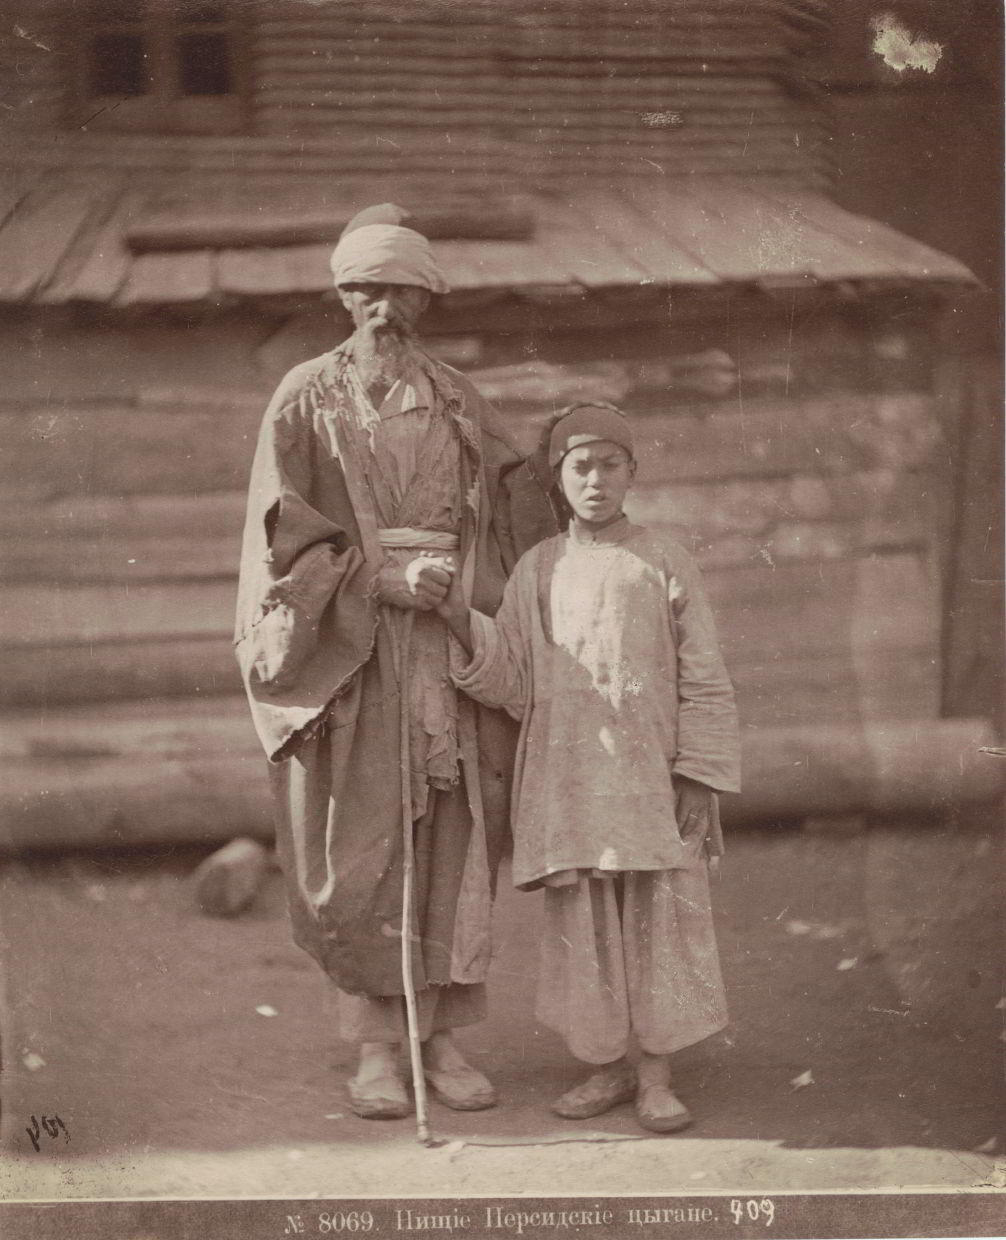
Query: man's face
{"points": [[595, 479], [392, 307]]}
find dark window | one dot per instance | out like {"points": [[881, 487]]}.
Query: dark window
{"points": [[151, 66], [203, 64], [117, 65]]}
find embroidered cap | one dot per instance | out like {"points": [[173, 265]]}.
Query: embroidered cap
{"points": [[588, 422]]}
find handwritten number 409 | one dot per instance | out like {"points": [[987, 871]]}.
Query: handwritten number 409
{"points": [[753, 1211], [50, 1125]]}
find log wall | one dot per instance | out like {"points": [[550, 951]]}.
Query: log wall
{"points": [[525, 89], [794, 450], [697, 87]]}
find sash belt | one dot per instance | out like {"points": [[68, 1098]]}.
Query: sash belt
{"points": [[420, 540]]}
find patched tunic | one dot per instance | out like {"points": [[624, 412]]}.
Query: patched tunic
{"points": [[416, 482], [604, 647]]}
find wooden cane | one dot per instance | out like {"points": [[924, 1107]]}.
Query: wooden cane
{"points": [[408, 888]]}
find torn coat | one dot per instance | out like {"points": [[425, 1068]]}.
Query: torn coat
{"points": [[320, 677]]}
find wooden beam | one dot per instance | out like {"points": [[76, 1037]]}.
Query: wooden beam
{"points": [[51, 802], [232, 228], [118, 671], [156, 279]]}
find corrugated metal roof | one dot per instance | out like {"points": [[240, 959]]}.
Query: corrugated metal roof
{"points": [[66, 240]]}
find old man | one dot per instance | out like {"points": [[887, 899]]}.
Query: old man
{"points": [[378, 473]]}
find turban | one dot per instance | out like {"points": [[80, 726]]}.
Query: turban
{"points": [[385, 253], [588, 423]]}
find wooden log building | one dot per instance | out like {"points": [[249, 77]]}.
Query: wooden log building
{"points": [[629, 202]]}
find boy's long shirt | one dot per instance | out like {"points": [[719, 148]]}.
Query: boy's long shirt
{"points": [[605, 650]]}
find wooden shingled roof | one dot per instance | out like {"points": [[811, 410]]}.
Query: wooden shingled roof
{"points": [[119, 242]]}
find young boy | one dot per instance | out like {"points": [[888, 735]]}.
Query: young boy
{"points": [[604, 649]]}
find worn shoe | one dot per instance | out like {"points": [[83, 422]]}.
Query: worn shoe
{"points": [[461, 1087], [598, 1093], [659, 1109], [384, 1097]]}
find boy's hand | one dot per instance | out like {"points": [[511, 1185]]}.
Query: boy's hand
{"points": [[692, 807], [454, 610], [453, 605]]}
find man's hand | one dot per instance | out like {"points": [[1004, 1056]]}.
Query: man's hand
{"points": [[692, 807], [420, 585]]}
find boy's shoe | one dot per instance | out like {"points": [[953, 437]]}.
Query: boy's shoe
{"points": [[384, 1097], [598, 1093], [462, 1088], [659, 1109]]}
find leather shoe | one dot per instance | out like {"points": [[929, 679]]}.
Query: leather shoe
{"points": [[462, 1088], [384, 1097], [597, 1094], [659, 1109]]}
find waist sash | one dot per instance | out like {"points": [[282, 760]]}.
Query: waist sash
{"points": [[420, 540]]}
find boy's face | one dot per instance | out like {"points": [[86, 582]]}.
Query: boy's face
{"points": [[594, 479]]}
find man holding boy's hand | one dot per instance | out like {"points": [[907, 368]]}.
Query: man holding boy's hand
{"points": [[381, 473]]}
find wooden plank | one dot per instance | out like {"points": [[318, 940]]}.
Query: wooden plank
{"points": [[566, 162], [892, 251], [163, 278], [782, 239], [588, 258], [16, 183], [55, 614], [102, 517], [540, 80], [254, 272], [865, 607], [500, 264], [122, 451], [34, 240], [615, 217], [102, 274], [161, 728], [700, 222], [825, 688], [124, 804], [189, 226], [130, 558], [879, 768], [437, 103], [547, 383], [877, 510], [308, 267], [43, 677]]}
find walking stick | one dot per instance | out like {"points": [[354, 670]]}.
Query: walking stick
{"points": [[408, 888]]}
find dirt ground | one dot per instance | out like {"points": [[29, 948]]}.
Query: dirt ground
{"points": [[188, 1056]]}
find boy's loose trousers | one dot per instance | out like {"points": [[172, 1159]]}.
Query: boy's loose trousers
{"points": [[634, 950]]}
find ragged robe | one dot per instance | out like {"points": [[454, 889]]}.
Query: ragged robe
{"points": [[319, 667]]}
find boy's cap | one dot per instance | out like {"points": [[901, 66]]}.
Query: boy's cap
{"points": [[588, 423]]}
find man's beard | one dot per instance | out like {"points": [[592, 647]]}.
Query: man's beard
{"points": [[383, 352]]}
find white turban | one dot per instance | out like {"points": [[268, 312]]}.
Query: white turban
{"points": [[386, 254]]}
